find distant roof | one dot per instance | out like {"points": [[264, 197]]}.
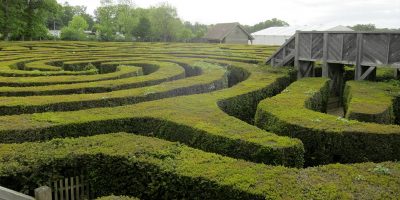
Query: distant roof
{"points": [[220, 31], [291, 30]]}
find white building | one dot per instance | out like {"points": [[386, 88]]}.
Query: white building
{"points": [[55, 33], [279, 35]]}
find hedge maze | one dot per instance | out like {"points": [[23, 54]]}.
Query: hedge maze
{"points": [[197, 121]]}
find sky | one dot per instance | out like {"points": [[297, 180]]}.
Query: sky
{"points": [[382, 13]]}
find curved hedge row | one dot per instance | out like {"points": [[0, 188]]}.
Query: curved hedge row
{"points": [[297, 112], [371, 101], [149, 168]]}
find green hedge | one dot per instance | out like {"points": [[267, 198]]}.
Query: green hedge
{"points": [[201, 121], [213, 78], [370, 101], [112, 197], [162, 72], [296, 112], [149, 168]]}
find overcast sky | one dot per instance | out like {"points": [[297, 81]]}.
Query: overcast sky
{"points": [[383, 13]]}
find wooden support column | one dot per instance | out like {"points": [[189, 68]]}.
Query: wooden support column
{"points": [[325, 67], [296, 55], [359, 54]]}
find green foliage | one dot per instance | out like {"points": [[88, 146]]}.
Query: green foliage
{"points": [[364, 27], [22, 19], [297, 113], [75, 29], [370, 101], [266, 24], [150, 168], [112, 197]]}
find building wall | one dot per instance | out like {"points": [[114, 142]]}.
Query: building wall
{"points": [[270, 39], [238, 36]]}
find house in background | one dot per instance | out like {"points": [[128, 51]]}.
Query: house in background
{"points": [[228, 33], [55, 33], [279, 35]]}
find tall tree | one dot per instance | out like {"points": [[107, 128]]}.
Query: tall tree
{"points": [[143, 30], [106, 20], [127, 19], [165, 22], [11, 18], [75, 29], [364, 27], [36, 13], [266, 24]]}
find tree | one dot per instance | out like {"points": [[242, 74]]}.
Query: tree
{"points": [[198, 30], [75, 29], [106, 20], [165, 22], [11, 22], [36, 14], [126, 18], [143, 30], [274, 22], [364, 27]]}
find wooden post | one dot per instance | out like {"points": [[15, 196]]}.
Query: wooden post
{"points": [[325, 67], [296, 55], [43, 193], [358, 70]]}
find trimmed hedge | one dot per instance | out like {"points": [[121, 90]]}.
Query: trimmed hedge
{"points": [[370, 101], [296, 112], [158, 72], [149, 168], [112, 197], [213, 78], [201, 122]]}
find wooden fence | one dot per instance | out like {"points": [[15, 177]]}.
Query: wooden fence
{"points": [[72, 188]]}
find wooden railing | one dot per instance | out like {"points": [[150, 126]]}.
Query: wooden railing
{"points": [[365, 50]]}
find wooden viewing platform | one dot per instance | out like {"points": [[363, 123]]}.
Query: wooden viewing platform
{"points": [[365, 50]]}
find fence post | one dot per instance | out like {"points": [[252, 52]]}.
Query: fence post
{"points": [[43, 193]]}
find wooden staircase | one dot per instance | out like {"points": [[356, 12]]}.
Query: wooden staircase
{"points": [[284, 56]]}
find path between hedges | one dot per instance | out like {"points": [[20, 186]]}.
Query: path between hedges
{"points": [[334, 107]]}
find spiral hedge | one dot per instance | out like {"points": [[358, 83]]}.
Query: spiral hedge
{"points": [[165, 120]]}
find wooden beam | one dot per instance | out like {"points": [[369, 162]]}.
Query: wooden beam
{"points": [[325, 67], [359, 54], [367, 73]]}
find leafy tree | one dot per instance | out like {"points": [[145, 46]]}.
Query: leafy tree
{"points": [[198, 30], [36, 14], [106, 20], [165, 22], [143, 29], [126, 18], [64, 14], [274, 22], [75, 29], [364, 27], [11, 22]]}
